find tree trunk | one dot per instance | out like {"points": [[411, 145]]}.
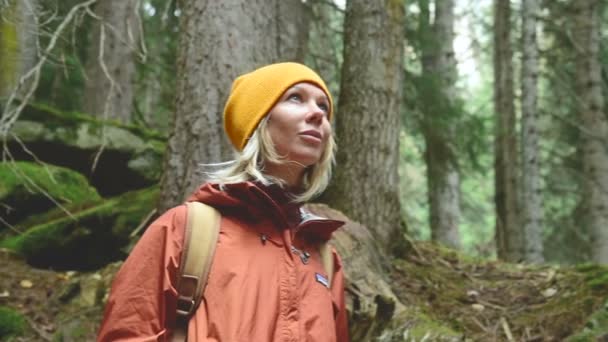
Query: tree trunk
{"points": [[439, 69], [594, 124], [111, 57], [293, 29], [508, 233], [18, 48], [366, 183], [323, 47], [531, 208], [219, 40]]}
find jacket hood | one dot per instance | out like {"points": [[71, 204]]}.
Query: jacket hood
{"points": [[252, 201]]}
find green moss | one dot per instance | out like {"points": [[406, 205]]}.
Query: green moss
{"points": [[595, 328], [135, 206], [65, 185], [40, 112], [595, 275], [430, 330], [9, 48], [11, 322], [93, 237], [23, 188]]}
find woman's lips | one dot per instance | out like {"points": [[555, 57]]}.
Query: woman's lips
{"points": [[312, 133]]}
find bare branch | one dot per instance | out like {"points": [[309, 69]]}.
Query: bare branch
{"points": [[10, 226], [106, 107], [140, 24], [10, 112], [31, 182]]}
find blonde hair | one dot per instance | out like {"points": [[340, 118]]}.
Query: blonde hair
{"points": [[248, 165]]}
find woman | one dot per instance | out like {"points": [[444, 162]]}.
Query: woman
{"points": [[266, 282]]}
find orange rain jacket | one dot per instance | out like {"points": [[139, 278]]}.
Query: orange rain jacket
{"points": [[266, 282]]}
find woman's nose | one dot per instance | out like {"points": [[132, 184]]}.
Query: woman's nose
{"points": [[316, 114]]}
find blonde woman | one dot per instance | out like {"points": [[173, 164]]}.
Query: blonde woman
{"points": [[266, 281]]}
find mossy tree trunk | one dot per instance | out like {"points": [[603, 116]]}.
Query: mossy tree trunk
{"points": [[18, 36], [439, 114], [111, 60], [508, 232], [594, 124], [219, 40], [366, 183], [531, 209]]}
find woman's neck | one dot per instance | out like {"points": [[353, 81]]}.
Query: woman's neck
{"points": [[291, 174]]}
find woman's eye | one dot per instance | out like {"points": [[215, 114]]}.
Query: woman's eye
{"points": [[295, 97], [324, 107]]}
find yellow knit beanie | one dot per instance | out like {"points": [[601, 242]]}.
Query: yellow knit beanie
{"points": [[255, 93]]}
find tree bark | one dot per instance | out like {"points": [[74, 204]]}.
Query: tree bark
{"points": [[18, 48], [110, 67], [366, 183], [323, 45], [439, 69], [219, 40], [293, 29], [531, 209], [594, 124], [508, 233]]}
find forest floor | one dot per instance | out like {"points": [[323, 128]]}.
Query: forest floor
{"points": [[495, 301], [484, 300], [42, 297]]}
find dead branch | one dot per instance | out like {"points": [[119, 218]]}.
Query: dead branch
{"points": [[10, 226], [6, 153], [11, 113]]}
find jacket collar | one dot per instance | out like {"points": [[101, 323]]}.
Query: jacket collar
{"points": [[255, 202]]}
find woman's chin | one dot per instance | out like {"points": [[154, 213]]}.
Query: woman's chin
{"points": [[307, 160]]}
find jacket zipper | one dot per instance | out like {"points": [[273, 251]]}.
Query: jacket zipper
{"points": [[304, 256]]}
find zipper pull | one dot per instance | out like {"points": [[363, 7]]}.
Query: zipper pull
{"points": [[264, 238], [304, 256]]}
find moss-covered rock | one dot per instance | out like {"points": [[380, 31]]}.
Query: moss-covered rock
{"points": [[116, 157], [11, 323], [89, 239], [28, 189]]}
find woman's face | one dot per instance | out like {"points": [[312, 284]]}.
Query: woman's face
{"points": [[299, 124]]}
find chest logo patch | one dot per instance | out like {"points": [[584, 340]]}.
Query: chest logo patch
{"points": [[322, 279]]}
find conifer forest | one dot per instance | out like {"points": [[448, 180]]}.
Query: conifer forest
{"points": [[472, 161]]}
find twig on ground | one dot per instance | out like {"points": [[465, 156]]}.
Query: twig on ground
{"points": [[43, 334], [506, 329]]}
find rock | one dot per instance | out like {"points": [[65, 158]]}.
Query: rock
{"points": [[92, 290], [125, 157], [93, 237], [28, 189]]}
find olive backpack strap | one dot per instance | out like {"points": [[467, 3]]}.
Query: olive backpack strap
{"points": [[200, 240], [327, 259]]}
